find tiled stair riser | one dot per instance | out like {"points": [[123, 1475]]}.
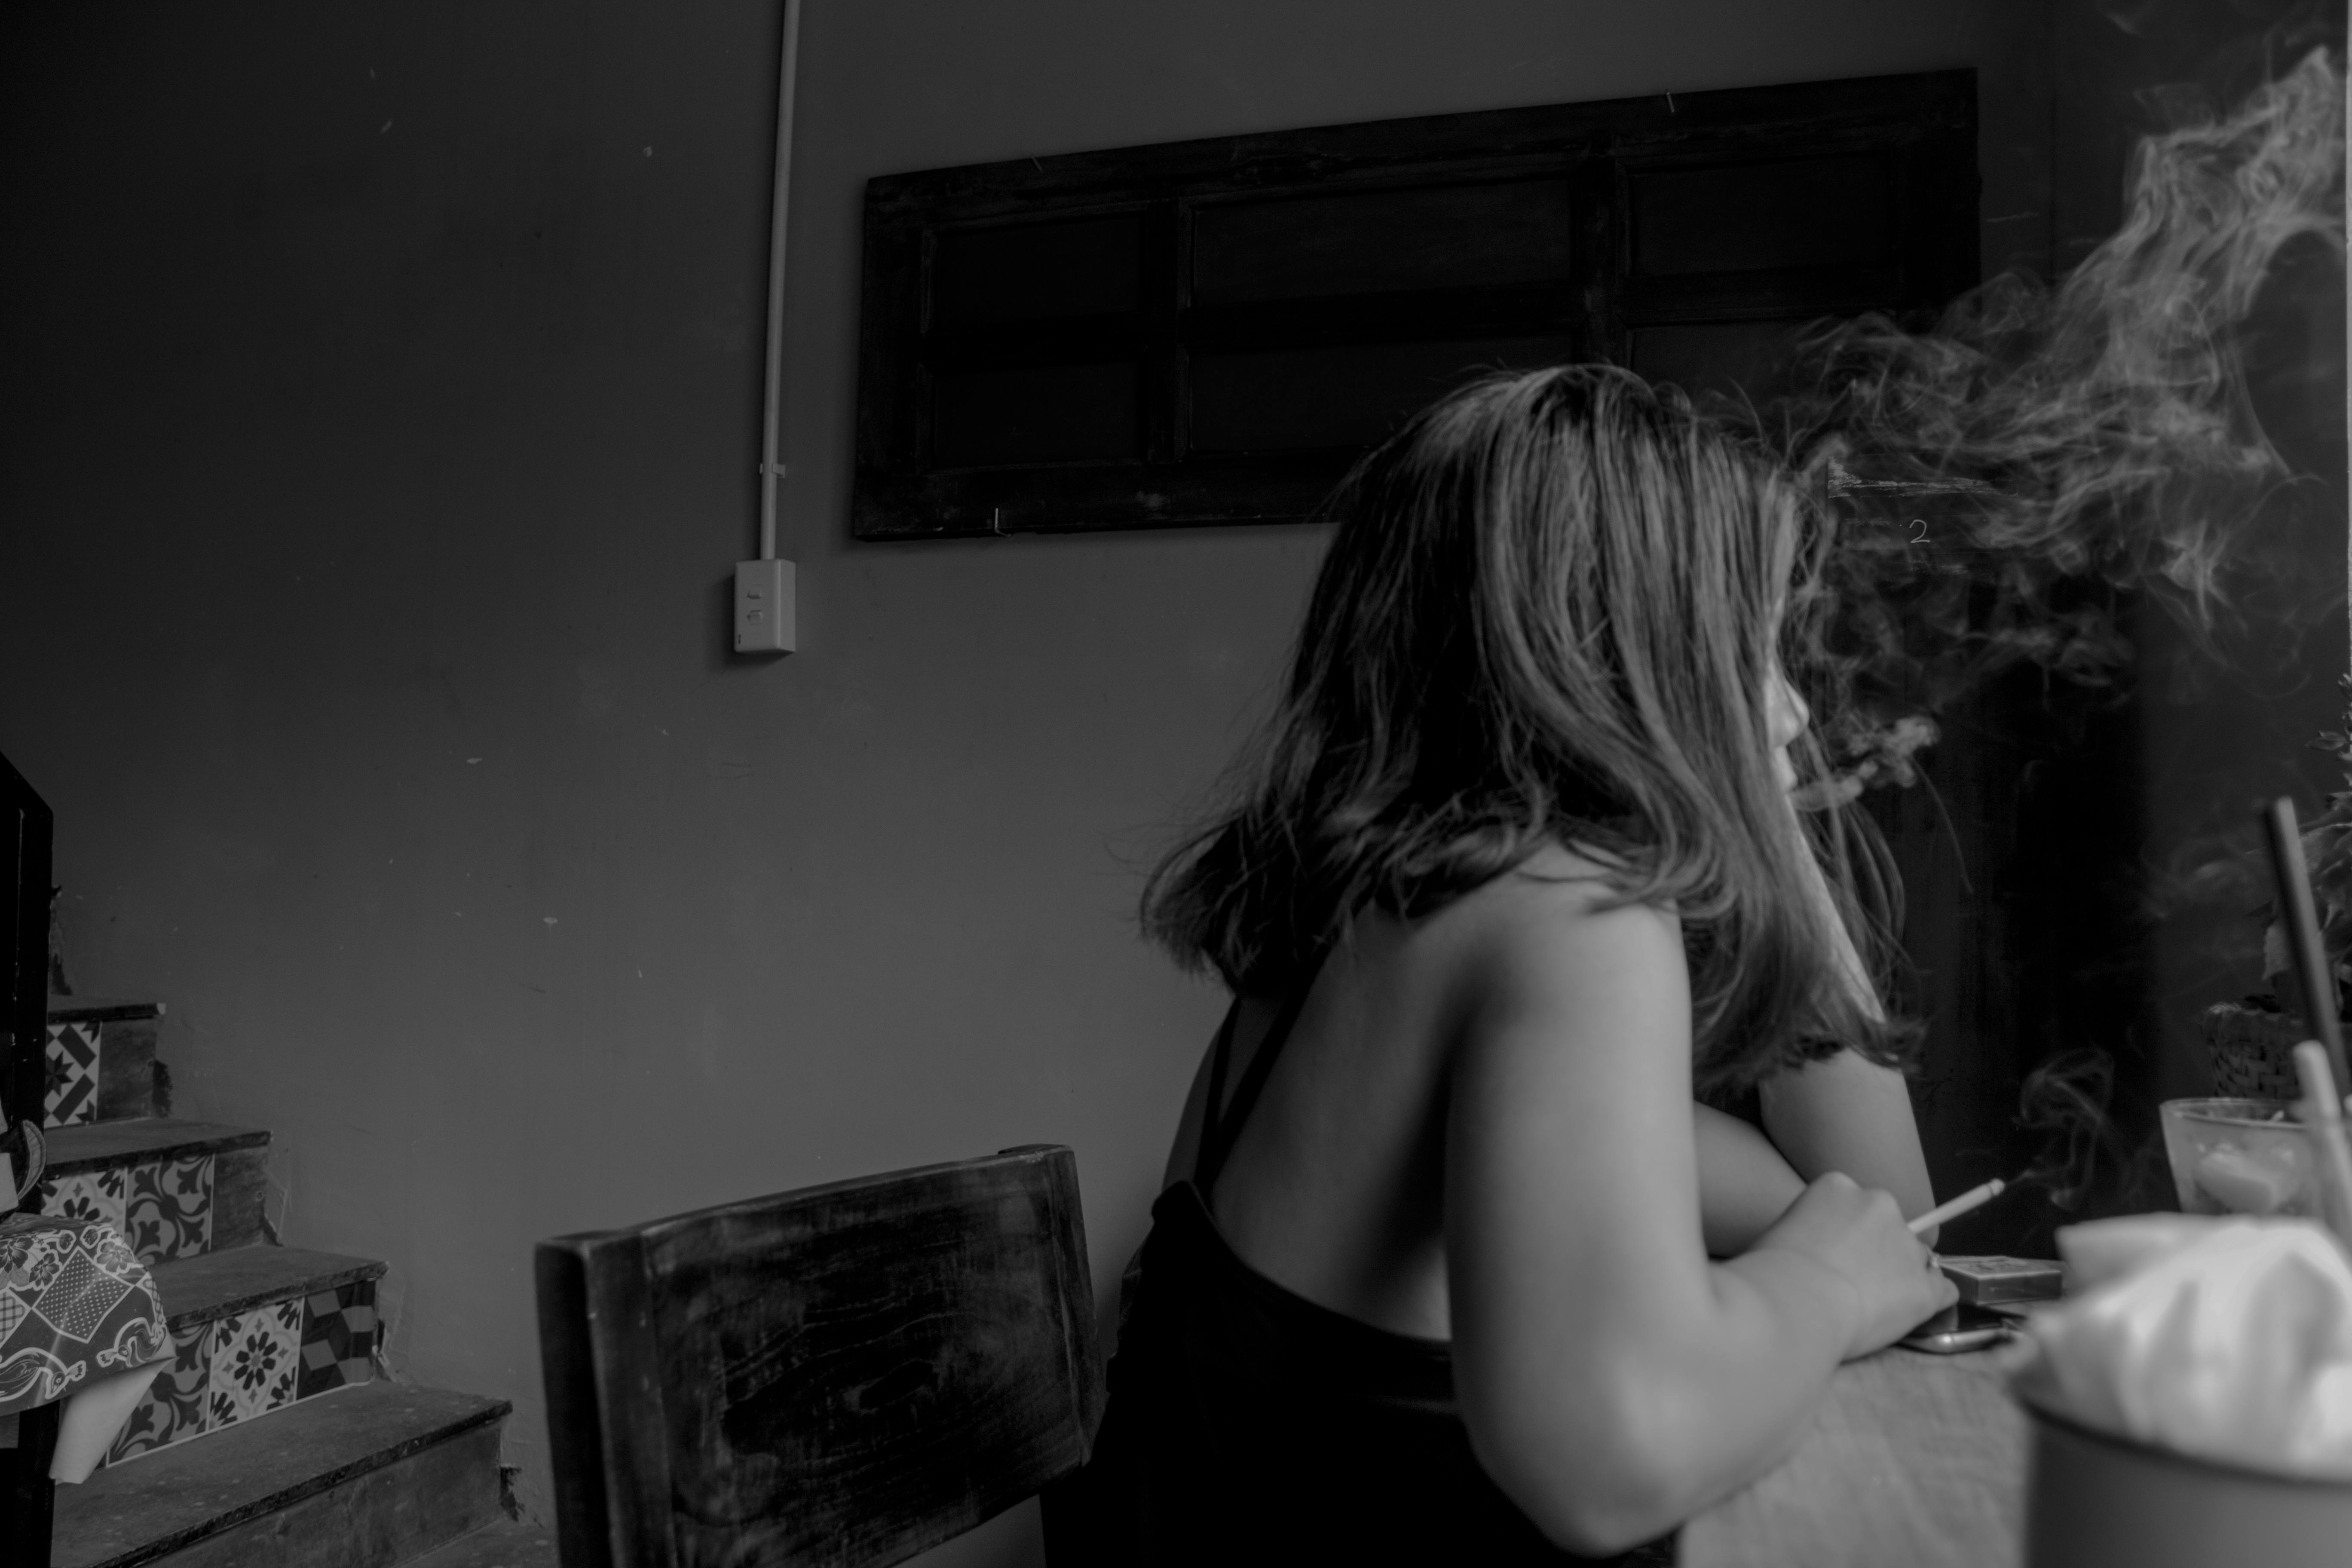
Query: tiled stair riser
{"points": [[72, 1085], [237, 1368], [171, 1206], [163, 1207], [102, 1069]]}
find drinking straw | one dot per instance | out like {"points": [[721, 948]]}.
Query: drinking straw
{"points": [[1975, 1197], [2298, 913], [2322, 1111]]}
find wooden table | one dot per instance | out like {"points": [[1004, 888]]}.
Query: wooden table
{"points": [[1915, 1460]]}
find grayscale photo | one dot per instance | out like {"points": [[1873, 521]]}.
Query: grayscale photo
{"points": [[1070, 783]]}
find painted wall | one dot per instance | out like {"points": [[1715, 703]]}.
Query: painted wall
{"points": [[380, 401]]}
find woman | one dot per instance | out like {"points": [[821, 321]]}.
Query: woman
{"points": [[1452, 1266]]}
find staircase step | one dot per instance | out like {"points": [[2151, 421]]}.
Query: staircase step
{"points": [[366, 1478], [101, 1144], [174, 1188], [254, 1332], [102, 1009], [505, 1544], [102, 1063], [220, 1284]]}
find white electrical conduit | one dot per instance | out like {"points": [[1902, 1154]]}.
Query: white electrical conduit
{"points": [[771, 472]]}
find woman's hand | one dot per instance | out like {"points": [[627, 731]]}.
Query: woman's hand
{"points": [[1858, 1235]]}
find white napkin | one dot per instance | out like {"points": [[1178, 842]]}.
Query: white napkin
{"points": [[2226, 1337]]}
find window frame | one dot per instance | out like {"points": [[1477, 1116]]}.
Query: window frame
{"points": [[1924, 123]]}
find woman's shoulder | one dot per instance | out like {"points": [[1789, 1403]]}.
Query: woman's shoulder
{"points": [[1560, 885], [1559, 911], [1552, 954], [1573, 866]]}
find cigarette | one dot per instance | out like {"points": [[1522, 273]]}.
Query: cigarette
{"points": [[1975, 1197]]}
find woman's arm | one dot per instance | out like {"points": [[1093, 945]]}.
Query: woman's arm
{"points": [[1850, 1115], [1614, 1382], [1844, 1113], [1744, 1183]]}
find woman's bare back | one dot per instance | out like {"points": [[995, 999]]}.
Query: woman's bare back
{"points": [[1335, 1186]]}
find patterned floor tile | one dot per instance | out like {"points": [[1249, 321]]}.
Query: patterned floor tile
{"points": [[72, 1090], [170, 1208], [255, 1357], [174, 1406], [338, 1338], [89, 1195]]}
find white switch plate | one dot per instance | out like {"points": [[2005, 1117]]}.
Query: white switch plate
{"points": [[765, 617]]}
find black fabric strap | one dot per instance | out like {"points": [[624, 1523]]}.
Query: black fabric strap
{"points": [[1212, 1113], [1221, 1124]]}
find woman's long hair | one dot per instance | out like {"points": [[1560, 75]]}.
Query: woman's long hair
{"points": [[1549, 616]]}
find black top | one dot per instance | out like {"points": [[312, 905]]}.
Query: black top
{"points": [[1248, 1424]]}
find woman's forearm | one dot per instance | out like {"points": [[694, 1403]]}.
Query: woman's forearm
{"points": [[1849, 1115], [1844, 1113], [1687, 1410], [1744, 1183]]}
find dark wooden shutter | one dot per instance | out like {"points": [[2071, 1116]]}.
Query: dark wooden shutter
{"points": [[1212, 332]]}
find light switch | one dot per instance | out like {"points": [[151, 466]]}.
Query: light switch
{"points": [[764, 618]]}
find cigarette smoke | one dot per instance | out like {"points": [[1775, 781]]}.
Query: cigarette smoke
{"points": [[1989, 493], [2066, 1100], [1999, 490]]}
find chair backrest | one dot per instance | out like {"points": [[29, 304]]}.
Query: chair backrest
{"points": [[844, 1375]]}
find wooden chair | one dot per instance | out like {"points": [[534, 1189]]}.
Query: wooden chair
{"points": [[845, 1374]]}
